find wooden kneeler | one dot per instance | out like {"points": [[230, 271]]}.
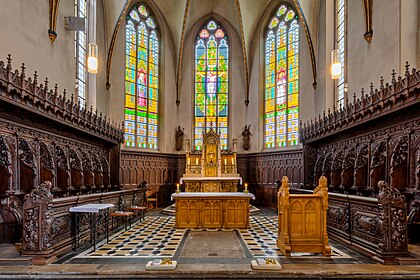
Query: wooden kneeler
{"points": [[302, 220]]}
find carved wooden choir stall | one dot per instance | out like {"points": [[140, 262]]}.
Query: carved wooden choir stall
{"points": [[302, 220]]}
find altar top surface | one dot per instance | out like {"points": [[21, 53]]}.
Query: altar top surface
{"points": [[212, 195], [227, 178]]}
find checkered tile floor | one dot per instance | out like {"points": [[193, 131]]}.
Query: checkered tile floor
{"points": [[155, 236], [261, 238]]}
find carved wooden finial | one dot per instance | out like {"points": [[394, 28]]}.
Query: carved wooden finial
{"points": [[22, 72], [407, 69], [91, 109], [413, 71], [46, 84], [371, 88], [72, 98], [354, 98], [55, 89], [9, 62], [35, 78], [393, 76], [64, 94], [96, 111], [100, 115], [329, 111], [382, 83]]}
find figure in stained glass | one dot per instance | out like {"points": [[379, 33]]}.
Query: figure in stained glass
{"points": [[282, 75]]}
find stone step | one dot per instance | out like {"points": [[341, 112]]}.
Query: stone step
{"points": [[19, 261]]}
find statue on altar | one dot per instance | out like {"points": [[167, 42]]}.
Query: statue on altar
{"points": [[211, 169]]}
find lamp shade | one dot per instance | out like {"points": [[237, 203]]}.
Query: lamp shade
{"points": [[335, 65], [92, 61]]}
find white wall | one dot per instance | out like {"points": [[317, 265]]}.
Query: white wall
{"points": [[24, 34], [395, 41]]}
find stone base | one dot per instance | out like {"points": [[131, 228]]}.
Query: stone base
{"points": [[155, 265], [260, 264], [37, 260]]}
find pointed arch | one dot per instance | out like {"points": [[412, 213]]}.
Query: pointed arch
{"points": [[141, 79], [281, 76], [211, 88]]}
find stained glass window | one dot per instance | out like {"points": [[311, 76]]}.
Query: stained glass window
{"points": [[211, 83], [281, 108], [80, 43], [341, 46], [141, 80]]}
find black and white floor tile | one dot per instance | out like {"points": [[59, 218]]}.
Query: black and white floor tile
{"points": [[154, 237]]}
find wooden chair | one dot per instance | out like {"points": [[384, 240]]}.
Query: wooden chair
{"points": [[152, 198], [139, 210], [122, 214]]}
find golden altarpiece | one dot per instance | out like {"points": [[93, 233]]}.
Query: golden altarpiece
{"points": [[211, 169]]}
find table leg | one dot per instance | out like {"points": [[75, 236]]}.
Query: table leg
{"points": [[107, 225], [94, 231], [76, 229]]}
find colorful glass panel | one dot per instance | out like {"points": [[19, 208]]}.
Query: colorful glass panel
{"points": [[273, 23], [281, 11], [143, 11], [211, 25], [211, 84], [141, 81], [281, 94], [80, 52]]}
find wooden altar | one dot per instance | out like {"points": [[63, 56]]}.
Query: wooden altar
{"points": [[212, 210], [211, 169]]}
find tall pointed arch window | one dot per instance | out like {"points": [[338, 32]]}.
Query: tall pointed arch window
{"points": [[211, 83], [281, 108], [141, 79], [341, 46]]}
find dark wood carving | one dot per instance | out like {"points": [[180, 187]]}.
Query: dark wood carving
{"points": [[27, 166], [377, 166], [76, 170], [326, 167], [97, 171], [398, 165], [347, 172], [88, 175], [392, 221], [105, 173], [336, 169], [361, 171], [48, 103], [37, 223], [46, 164], [5, 168], [63, 171]]}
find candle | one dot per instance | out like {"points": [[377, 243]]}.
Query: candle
{"points": [[177, 188], [196, 161], [246, 187]]}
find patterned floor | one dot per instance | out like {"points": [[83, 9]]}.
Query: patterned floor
{"points": [[261, 238], [157, 236]]}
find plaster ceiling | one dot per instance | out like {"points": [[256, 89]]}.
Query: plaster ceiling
{"points": [[172, 12]]}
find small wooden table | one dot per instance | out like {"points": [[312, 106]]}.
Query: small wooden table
{"points": [[212, 210]]}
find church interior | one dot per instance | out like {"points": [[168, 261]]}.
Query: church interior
{"points": [[239, 139]]}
